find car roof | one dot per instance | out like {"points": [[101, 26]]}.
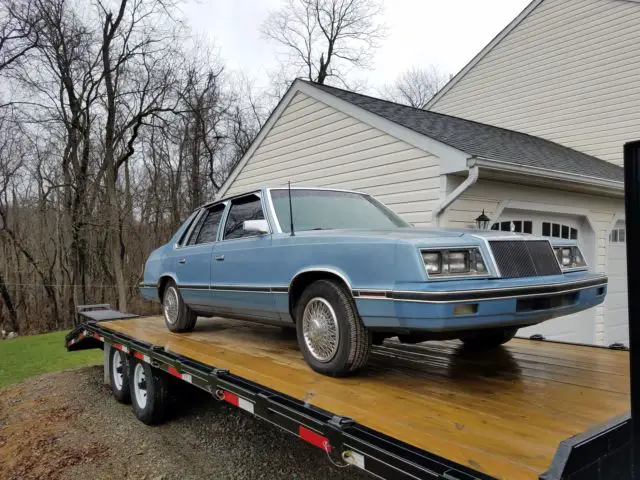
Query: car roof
{"points": [[264, 188]]}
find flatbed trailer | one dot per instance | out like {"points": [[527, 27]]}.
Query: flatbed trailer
{"points": [[530, 409]]}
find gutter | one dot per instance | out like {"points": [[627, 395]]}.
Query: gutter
{"points": [[597, 182], [473, 173]]}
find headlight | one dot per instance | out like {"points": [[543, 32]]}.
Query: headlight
{"points": [[466, 261], [570, 257]]}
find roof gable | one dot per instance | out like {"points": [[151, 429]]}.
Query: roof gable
{"points": [[474, 61]]}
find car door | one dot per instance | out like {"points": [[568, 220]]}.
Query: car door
{"points": [[193, 260], [240, 264]]}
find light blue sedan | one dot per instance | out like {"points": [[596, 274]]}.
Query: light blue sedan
{"points": [[347, 272]]}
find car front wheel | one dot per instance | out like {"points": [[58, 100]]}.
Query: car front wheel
{"points": [[178, 317], [489, 338], [330, 333]]}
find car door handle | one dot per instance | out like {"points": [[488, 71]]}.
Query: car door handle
{"points": [[219, 258], [182, 260]]}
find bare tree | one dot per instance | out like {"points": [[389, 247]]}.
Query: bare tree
{"points": [[323, 39], [415, 87], [137, 79], [18, 31]]}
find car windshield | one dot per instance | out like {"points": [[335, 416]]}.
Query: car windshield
{"points": [[330, 209]]}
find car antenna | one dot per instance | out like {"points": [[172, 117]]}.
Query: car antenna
{"points": [[293, 234]]}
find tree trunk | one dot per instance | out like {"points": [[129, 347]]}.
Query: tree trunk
{"points": [[8, 303]]}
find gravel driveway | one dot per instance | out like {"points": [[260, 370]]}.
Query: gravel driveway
{"points": [[67, 425]]}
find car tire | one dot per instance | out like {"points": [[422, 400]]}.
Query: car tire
{"points": [[178, 317], [489, 338], [119, 376], [331, 335], [149, 392]]}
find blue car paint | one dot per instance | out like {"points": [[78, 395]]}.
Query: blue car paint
{"points": [[253, 279]]}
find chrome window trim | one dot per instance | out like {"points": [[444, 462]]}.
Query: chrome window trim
{"points": [[257, 193], [195, 221], [272, 211], [438, 278], [324, 189], [187, 236]]}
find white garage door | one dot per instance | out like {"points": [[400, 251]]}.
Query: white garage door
{"points": [[616, 327], [576, 328]]}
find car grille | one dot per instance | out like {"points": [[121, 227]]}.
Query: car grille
{"points": [[524, 258]]}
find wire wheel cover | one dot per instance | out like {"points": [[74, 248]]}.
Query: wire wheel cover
{"points": [[171, 304], [320, 329]]}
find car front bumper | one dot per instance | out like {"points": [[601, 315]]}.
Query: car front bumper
{"points": [[477, 304]]}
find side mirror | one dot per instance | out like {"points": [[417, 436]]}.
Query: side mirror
{"points": [[260, 227]]}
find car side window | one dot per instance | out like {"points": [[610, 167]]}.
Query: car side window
{"points": [[207, 229], [245, 208]]}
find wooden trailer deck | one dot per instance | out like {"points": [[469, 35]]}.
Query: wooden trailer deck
{"points": [[502, 412]]}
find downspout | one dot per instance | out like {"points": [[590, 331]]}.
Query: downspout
{"points": [[473, 172]]}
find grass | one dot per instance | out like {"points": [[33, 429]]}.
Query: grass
{"points": [[25, 357]]}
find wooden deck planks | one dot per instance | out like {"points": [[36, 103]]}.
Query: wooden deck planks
{"points": [[503, 412]]}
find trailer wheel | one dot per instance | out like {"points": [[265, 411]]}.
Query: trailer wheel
{"points": [[178, 317], [119, 375], [331, 335], [491, 338], [149, 389]]}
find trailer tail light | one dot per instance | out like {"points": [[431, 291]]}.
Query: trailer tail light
{"points": [[314, 438]]}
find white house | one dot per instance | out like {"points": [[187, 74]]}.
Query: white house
{"points": [[567, 71], [438, 169]]}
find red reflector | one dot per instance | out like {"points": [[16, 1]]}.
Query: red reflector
{"points": [[173, 371], [231, 398], [314, 438], [95, 335], [138, 355], [117, 346]]}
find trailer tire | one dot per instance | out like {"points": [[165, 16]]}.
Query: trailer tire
{"points": [[149, 392], [119, 376], [490, 338], [331, 335], [178, 317]]}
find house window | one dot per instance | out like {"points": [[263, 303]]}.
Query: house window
{"points": [[519, 226], [618, 235], [558, 230]]}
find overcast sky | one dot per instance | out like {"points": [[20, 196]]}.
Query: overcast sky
{"points": [[444, 33]]}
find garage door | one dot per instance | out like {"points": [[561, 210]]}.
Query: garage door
{"points": [[616, 328], [576, 328]]}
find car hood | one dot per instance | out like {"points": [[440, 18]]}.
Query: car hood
{"points": [[412, 234]]}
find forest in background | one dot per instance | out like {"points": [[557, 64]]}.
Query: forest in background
{"points": [[116, 123]]}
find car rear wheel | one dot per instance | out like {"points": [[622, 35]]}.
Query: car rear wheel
{"points": [[331, 335], [489, 338], [178, 317]]}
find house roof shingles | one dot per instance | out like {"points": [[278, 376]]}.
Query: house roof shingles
{"points": [[486, 141]]}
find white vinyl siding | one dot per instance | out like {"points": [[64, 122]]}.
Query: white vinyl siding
{"points": [[313, 144], [488, 195], [568, 72]]}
